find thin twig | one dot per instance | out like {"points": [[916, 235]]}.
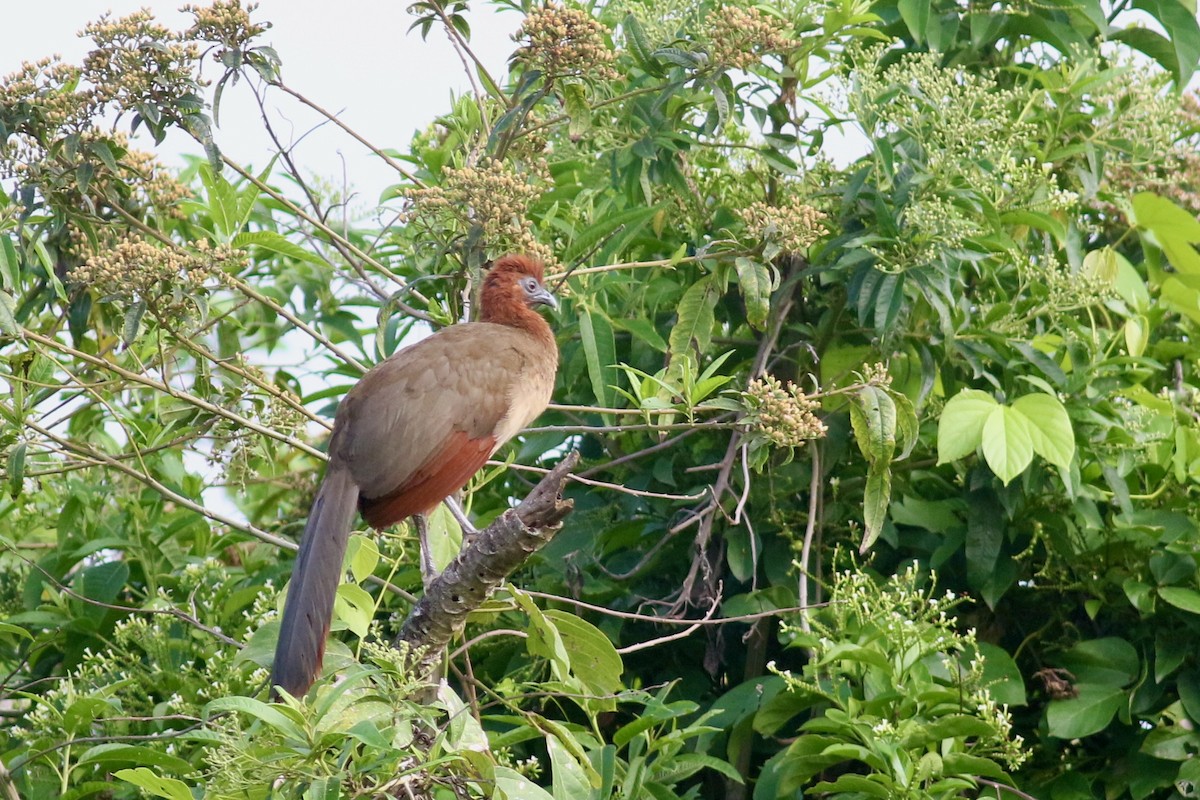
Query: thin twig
{"points": [[467, 645], [810, 527], [683, 634], [706, 620]]}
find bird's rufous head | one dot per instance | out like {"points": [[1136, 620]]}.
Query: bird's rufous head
{"points": [[514, 283]]}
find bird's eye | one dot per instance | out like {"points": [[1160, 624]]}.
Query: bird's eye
{"points": [[530, 285]]}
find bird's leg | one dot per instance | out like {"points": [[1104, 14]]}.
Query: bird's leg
{"points": [[456, 510], [428, 570]]}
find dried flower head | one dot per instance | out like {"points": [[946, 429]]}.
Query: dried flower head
{"points": [[793, 226], [782, 414], [565, 42], [38, 98], [495, 196], [225, 22], [136, 61], [1154, 139], [165, 278], [739, 37], [153, 185]]}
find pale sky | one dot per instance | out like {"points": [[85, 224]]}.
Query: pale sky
{"points": [[353, 57]]}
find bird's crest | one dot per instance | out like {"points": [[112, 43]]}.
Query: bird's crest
{"points": [[519, 264]]}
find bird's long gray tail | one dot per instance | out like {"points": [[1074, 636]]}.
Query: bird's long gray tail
{"points": [[308, 610]]}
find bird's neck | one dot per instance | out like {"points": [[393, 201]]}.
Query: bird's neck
{"points": [[516, 315]]}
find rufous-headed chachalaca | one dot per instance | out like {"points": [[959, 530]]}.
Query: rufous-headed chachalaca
{"points": [[411, 433]]}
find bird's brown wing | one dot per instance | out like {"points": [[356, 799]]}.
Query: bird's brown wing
{"points": [[418, 426]]}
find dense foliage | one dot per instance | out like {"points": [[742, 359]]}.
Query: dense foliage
{"points": [[888, 466]]}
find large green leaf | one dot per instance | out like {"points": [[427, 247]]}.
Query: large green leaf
{"points": [[1179, 21], [146, 779], [1109, 661], [600, 352], [960, 428], [1007, 443], [1049, 428], [694, 325], [873, 417], [757, 283], [1181, 597], [876, 498], [1086, 714], [1174, 228], [594, 659]]}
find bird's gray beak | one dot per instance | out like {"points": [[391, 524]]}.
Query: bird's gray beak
{"points": [[543, 297]]}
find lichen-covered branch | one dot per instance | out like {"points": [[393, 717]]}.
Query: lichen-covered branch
{"points": [[483, 564]]}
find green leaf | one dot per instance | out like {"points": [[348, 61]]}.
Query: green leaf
{"points": [[1036, 219], [16, 469], [1050, 428], [594, 659], [444, 536], [1101, 266], [963, 764], [1130, 286], [1181, 597], [7, 629], [877, 497], [145, 778], [1001, 675], [362, 556], [10, 266], [1174, 228], [639, 45], [544, 639], [281, 719], [133, 321], [915, 14], [354, 606], [855, 786], [984, 543], [512, 785], [570, 779], [1086, 714], [275, 243], [1007, 443], [960, 428], [8, 315], [756, 284], [1109, 661], [600, 352], [643, 330], [955, 726], [873, 417], [1189, 693], [115, 753], [579, 113], [103, 582], [1137, 335], [1180, 23], [694, 325]]}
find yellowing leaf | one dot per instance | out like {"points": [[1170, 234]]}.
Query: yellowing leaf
{"points": [[1007, 442], [1050, 429], [960, 429]]}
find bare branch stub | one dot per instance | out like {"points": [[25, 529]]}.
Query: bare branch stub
{"points": [[483, 564]]}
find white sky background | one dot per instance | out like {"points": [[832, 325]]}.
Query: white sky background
{"points": [[354, 58]]}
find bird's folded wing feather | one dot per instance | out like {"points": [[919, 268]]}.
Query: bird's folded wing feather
{"points": [[451, 399]]}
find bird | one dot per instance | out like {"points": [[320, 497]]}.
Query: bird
{"points": [[412, 432]]}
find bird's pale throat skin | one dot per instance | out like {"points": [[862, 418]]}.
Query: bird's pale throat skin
{"points": [[412, 432]]}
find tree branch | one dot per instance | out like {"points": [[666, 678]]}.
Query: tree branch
{"points": [[483, 565]]}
